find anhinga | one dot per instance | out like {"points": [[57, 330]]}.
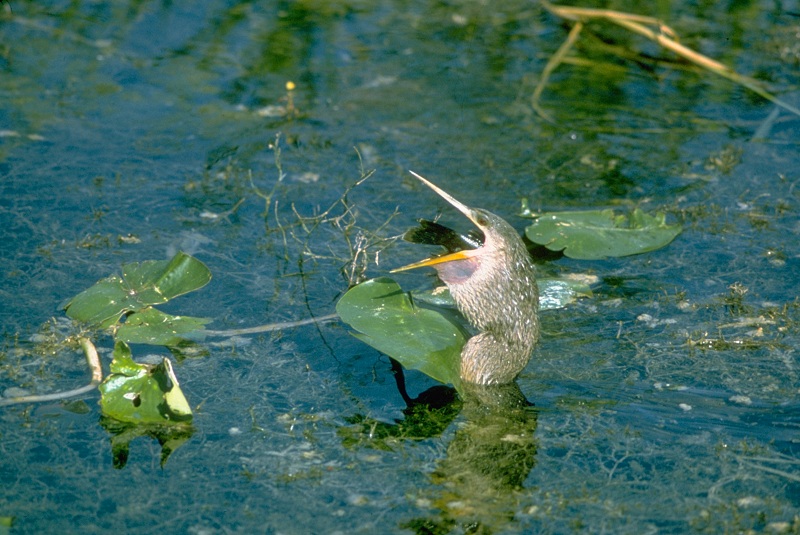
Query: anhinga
{"points": [[493, 285]]}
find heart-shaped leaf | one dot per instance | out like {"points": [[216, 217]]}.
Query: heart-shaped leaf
{"points": [[597, 234], [141, 285], [419, 338], [142, 394]]}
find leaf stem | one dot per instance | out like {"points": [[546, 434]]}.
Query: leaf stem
{"points": [[269, 327]]}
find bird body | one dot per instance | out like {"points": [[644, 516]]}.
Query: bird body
{"points": [[494, 287]]}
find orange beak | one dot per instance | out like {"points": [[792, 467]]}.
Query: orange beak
{"points": [[432, 261]]}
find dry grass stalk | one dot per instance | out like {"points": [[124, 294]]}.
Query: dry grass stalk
{"points": [[642, 25]]}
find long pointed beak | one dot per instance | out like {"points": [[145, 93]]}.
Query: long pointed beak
{"points": [[461, 207], [432, 261]]}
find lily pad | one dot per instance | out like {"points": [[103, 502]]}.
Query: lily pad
{"points": [[596, 234], [386, 318], [151, 326], [141, 285], [140, 393]]}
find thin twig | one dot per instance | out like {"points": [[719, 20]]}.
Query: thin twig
{"points": [[707, 63], [554, 62], [581, 14], [788, 475], [276, 147]]}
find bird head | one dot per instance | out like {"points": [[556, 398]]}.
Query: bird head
{"points": [[456, 267]]}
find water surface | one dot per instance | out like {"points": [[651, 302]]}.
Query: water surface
{"points": [[666, 403]]}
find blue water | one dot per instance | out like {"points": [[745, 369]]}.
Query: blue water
{"points": [[666, 403]]}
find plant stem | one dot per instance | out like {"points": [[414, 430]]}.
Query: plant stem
{"points": [[269, 327]]}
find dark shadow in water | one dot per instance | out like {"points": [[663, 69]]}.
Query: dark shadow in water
{"points": [[170, 437], [425, 416], [487, 462]]}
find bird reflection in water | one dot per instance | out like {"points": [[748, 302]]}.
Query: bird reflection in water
{"points": [[478, 484]]}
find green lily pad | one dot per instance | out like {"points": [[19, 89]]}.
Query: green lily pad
{"points": [[596, 234], [419, 338], [553, 294], [141, 285], [151, 326], [140, 393]]}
